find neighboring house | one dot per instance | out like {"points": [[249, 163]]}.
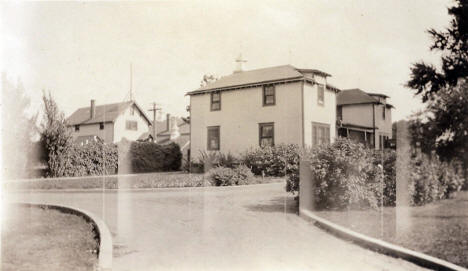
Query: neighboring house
{"points": [[263, 107], [110, 122], [364, 117], [174, 129]]}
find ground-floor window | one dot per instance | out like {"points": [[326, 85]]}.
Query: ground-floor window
{"points": [[213, 138], [266, 134], [320, 133]]}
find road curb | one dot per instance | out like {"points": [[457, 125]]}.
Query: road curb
{"points": [[102, 231], [380, 246]]}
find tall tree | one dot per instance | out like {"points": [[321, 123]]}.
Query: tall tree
{"points": [[56, 139], [453, 44], [18, 130]]}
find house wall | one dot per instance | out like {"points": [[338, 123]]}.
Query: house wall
{"points": [[120, 130], [241, 112], [385, 126], [361, 114], [314, 112], [358, 114], [93, 129]]}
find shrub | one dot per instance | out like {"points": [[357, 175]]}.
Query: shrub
{"points": [[275, 161], [389, 167], [345, 175], [223, 176], [152, 157], [432, 180]]}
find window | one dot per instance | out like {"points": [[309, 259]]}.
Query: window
{"points": [[269, 95], [320, 134], [215, 101], [132, 111], [101, 126], [320, 94], [266, 134], [383, 111], [339, 113], [213, 138], [77, 128], [131, 125]]}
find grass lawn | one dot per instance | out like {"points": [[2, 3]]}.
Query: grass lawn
{"points": [[438, 229], [46, 239], [144, 180]]}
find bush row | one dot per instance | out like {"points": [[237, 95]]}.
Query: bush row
{"points": [[94, 158], [349, 175], [152, 157]]}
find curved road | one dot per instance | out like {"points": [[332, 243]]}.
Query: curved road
{"points": [[228, 228]]}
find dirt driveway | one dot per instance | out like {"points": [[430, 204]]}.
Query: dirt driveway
{"points": [[231, 228]]}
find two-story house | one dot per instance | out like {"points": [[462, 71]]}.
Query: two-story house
{"points": [[364, 117], [263, 107], [109, 122]]}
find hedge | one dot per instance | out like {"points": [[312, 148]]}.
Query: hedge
{"points": [[152, 157], [95, 158]]}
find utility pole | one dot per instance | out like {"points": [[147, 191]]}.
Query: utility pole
{"points": [[131, 81], [154, 109]]}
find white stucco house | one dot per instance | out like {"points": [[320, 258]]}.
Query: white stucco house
{"points": [[109, 122], [364, 117], [262, 107]]}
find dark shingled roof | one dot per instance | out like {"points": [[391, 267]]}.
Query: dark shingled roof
{"points": [[104, 113], [354, 96], [259, 76]]}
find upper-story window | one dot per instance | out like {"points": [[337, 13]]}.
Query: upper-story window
{"points": [[215, 101], [101, 126], [132, 111], [131, 125], [321, 94], [213, 138], [266, 134], [269, 95], [77, 128], [383, 111]]}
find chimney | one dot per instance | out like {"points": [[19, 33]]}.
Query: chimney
{"points": [[174, 129], [168, 122], [93, 109]]}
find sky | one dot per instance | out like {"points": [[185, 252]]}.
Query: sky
{"points": [[83, 50]]}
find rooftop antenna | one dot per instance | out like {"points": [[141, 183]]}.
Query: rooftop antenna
{"points": [[240, 64], [131, 81]]}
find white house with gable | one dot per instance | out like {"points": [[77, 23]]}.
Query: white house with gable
{"points": [[263, 107], [109, 122]]}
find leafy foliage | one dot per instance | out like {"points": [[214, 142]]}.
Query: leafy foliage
{"points": [[453, 44], [18, 130], [277, 161], [223, 176], [344, 175], [432, 180], [152, 157], [95, 158], [56, 139]]}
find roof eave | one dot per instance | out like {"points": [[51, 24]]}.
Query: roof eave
{"points": [[286, 80]]}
